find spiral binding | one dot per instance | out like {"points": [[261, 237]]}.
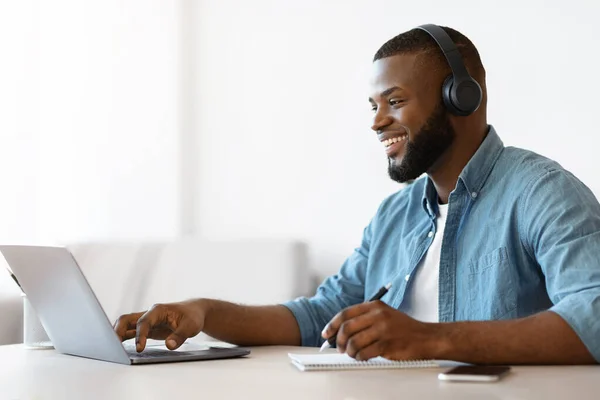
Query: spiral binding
{"points": [[374, 365]]}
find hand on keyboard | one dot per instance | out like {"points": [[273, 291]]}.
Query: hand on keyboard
{"points": [[173, 322]]}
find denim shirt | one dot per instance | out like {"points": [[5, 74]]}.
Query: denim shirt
{"points": [[522, 236]]}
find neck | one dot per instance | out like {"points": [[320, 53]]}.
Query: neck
{"points": [[445, 172]]}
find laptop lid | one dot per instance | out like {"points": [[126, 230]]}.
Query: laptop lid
{"points": [[64, 301]]}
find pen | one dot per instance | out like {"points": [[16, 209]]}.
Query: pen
{"points": [[380, 293]]}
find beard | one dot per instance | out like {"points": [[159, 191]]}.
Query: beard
{"points": [[427, 146]]}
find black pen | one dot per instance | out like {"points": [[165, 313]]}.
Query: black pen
{"points": [[380, 293]]}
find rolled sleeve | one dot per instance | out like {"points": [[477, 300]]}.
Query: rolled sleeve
{"points": [[305, 314], [580, 311], [337, 292], [563, 234]]}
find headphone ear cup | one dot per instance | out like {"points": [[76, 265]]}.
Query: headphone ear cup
{"points": [[466, 96], [447, 95], [461, 99]]}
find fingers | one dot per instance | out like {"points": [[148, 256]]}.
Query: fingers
{"points": [[125, 325], [151, 318], [176, 339], [375, 329], [348, 313], [375, 349], [357, 332], [173, 322], [129, 334]]}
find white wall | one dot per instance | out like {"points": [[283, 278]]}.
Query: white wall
{"points": [[284, 144], [233, 118], [90, 120], [18, 136]]}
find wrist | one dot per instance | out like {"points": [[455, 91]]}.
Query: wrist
{"points": [[200, 306], [438, 343], [205, 305]]}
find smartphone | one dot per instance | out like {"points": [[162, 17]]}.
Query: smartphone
{"points": [[475, 373]]}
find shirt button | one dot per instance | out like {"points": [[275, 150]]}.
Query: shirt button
{"points": [[407, 277], [474, 195], [430, 234]]}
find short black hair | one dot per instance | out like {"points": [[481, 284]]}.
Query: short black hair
{"points": [[419, 41]]}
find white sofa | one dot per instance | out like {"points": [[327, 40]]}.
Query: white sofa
{"points": [[129, 277]]}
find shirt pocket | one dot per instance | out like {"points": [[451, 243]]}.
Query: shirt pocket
{"points": [[492, 293]]}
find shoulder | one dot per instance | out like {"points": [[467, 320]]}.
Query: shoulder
{"points": [[528, 162], [524, 169], [542, 184]]}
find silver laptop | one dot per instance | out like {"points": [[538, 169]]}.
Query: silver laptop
{"points": [[72, 316]]}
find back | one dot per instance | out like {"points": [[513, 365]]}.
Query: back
{"points": [[64, 302]]}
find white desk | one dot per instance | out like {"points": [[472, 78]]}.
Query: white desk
{"points": [[266, 374]]}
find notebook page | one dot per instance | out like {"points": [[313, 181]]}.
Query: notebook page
{"points": [[332, 361]]}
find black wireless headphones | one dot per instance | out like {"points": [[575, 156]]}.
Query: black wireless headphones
{"points": [[460, 92]]}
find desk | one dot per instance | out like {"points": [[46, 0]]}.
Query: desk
{"points": [[266, 374]]}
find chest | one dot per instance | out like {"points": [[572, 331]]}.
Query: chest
{"points": [[483, 266]]}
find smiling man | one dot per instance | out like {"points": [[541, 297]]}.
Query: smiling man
{"points": [[492, 254]]}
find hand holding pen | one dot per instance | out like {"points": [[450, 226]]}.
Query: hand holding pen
{"points": [[331, 342]]}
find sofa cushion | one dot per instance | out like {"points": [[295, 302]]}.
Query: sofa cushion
{"points": [[129, 277]]}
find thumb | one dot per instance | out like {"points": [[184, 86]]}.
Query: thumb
{"points": [[176, 339]]}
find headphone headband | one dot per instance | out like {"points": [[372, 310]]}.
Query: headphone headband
{"points": [[448, 48], [461, 93]]}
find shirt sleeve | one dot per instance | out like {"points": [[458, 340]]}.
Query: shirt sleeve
{"points": [[562, 225], [337, 292]]}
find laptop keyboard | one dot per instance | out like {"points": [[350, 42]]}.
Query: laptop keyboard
{"points": [[159, 353]]}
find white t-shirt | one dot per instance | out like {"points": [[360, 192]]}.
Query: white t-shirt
{"points": [[422, 294]]}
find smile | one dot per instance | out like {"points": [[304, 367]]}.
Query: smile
{"points": [[389, 142]]}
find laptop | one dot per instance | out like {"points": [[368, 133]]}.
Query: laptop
{"points": [[72, 316]]}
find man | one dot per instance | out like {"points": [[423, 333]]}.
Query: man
{"points": [[492, 255]]}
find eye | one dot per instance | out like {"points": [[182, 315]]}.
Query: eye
{"points": [[396, 102], [373, 107]]}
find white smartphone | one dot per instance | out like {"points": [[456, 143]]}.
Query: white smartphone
{"points": [[475, 373]]}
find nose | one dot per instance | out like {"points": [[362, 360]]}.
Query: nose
{"points": [[380, 121]]}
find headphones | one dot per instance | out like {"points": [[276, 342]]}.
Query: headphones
{"points": [[460, 92]]}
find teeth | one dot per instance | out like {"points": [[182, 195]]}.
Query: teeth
{"points": [[391, 141]]}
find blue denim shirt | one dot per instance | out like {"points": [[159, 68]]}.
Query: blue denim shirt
{"points": [[522, 236]]}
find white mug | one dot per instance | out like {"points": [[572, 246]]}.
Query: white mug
{"points": [[34, 334]]}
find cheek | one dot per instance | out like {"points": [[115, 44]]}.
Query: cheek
{"points": [[409, 117]]}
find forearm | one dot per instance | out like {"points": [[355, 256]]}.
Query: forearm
{"points": [[250, 325], [543, 338]]}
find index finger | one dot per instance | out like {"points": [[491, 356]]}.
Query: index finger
{"points": [[144, 324], [346, 314]]}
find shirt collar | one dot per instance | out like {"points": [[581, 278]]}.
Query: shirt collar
{"points": [[430, 198], [475, 173]]}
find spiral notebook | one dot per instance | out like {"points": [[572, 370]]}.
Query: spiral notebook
{"points": [[336, 361]]}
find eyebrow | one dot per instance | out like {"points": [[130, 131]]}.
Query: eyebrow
{"points": [[387, 92]]}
